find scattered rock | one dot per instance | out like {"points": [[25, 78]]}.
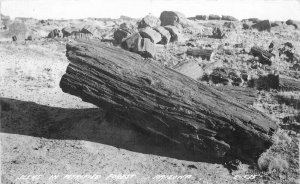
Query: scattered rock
{"points": [[201, 17], [88, 29], [253, 20], [192, 167], [276, 23], [294, 23], [29, 38], [200, 52], [229, 25], [153, 35], [174, 31], [173, 18], [79, 35], [120, 35], [262, 25], [127, 27], [142, 46], [14, 38], [214, 17], [165, 35], [246, 26], [150, 21], [263, 55], [219, 75], [287, 51], [229, 18], [225, 76], [68, 31], [218, 33], [56, 33], [296, 67]]}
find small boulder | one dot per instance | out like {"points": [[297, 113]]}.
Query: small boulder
{"points": [[276, 23], [225, 76], [201, 17], [139, 45], [153, 35], [120, 35], [264, 25], [175, 33], [14, 38], [173, 18], [127, 27], [165, 35], [228, 18], [149, 21], [294, 23], [214, 17]]}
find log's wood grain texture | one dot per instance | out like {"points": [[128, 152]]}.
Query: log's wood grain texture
{"points": [[244, 95], [165, 102]]}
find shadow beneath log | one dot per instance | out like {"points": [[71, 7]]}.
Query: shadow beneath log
{"points": [[32, 119]]}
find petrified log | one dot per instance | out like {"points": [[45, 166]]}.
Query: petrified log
{"points": [[153, 35], [264, 56], [244, 95], [194, 71], [165, 35], [165, 102], [278, 82], [200, 52]]}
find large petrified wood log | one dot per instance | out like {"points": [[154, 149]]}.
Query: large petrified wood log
{"points": [[165, 102]]}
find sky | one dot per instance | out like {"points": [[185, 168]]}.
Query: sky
{"points": [[73, 9]]}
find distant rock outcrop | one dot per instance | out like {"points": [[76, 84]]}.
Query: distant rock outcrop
{"points": [[228, 18], [55, 33], [149, 21], [201, 17], [214, 17]]}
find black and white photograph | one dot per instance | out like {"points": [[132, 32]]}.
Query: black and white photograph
{"points": [[150, 91]]}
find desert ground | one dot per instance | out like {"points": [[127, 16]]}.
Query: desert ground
{"points": [[48, 136]]}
